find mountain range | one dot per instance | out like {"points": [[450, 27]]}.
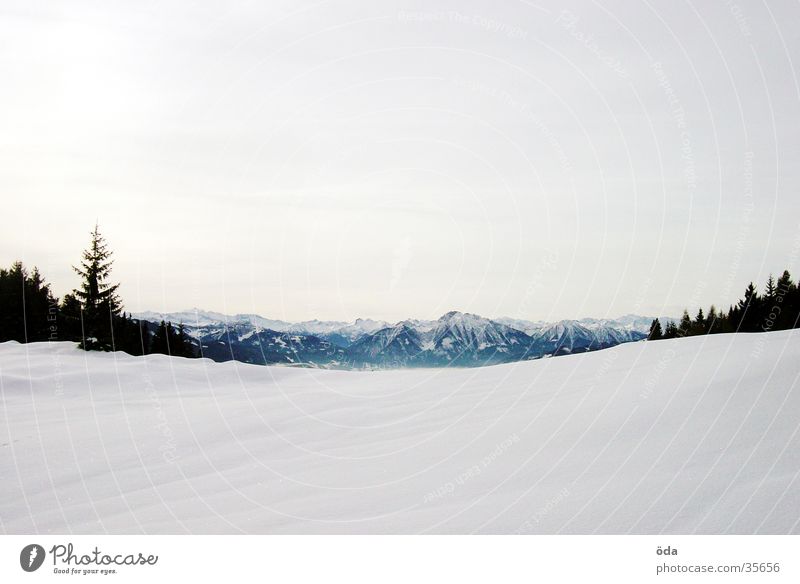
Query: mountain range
{"points": [[455, 339]]}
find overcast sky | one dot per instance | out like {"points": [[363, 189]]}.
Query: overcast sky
{"points": [[401, 159]]}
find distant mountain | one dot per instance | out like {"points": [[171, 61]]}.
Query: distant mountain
{"points": [[468, 339], [196, 318], [340, 333], [567, 336], [455, 339], [200, 323], [630, 322], [400, 345], [245, 343]]}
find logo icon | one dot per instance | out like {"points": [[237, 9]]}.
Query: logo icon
{"points": [[31, 557]]}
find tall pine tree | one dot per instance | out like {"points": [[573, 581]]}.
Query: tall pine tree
{"points": [[100, 303], [747, 310], [786, 298]]}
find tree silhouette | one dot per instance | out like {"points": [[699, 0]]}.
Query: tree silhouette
{"points": [[100, 303], [685, 328], [699, 325], [655, 331], [28, 310]]}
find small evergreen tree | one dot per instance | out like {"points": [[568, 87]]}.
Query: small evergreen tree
{"points": [[127, 335], [786, 296], [713, 321], [655, 331], [747, 310], [699, 325], [770, 289], [685, 327], [144, 337], [184, 343], [168, 341], [69, 314], [671, 330], [160, 341]]}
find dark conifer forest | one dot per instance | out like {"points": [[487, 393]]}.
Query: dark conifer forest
{"points": [[92, 315], [777, 308]]}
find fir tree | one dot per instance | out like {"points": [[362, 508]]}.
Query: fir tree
{"points": [[69, 314], [127, 334], [713, 321], [786, 297], [770, 289], [184, 343], [655, 331], [747, 310], [699, 325], [160, 341], [98, 296], [685, 327], [169, 341], [144, 337], [671, 330]]}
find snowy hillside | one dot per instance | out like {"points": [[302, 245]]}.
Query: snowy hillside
{"points": [[681, 436]]}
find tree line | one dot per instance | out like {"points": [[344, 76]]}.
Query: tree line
{"points": [[777, 308], [91, 315]]}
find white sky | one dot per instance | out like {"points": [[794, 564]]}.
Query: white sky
{"points": [[401, 159]]}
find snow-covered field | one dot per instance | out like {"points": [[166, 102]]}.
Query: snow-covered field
{"points": [[691, 435]]}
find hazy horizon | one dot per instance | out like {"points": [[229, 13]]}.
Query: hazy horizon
{"points": [[402, 159], [197, 309]]}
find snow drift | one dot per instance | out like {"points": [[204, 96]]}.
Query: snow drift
{"points": [[696, 435]]}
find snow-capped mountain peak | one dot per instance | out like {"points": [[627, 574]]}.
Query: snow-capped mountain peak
{"points": [[455, 338]]}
